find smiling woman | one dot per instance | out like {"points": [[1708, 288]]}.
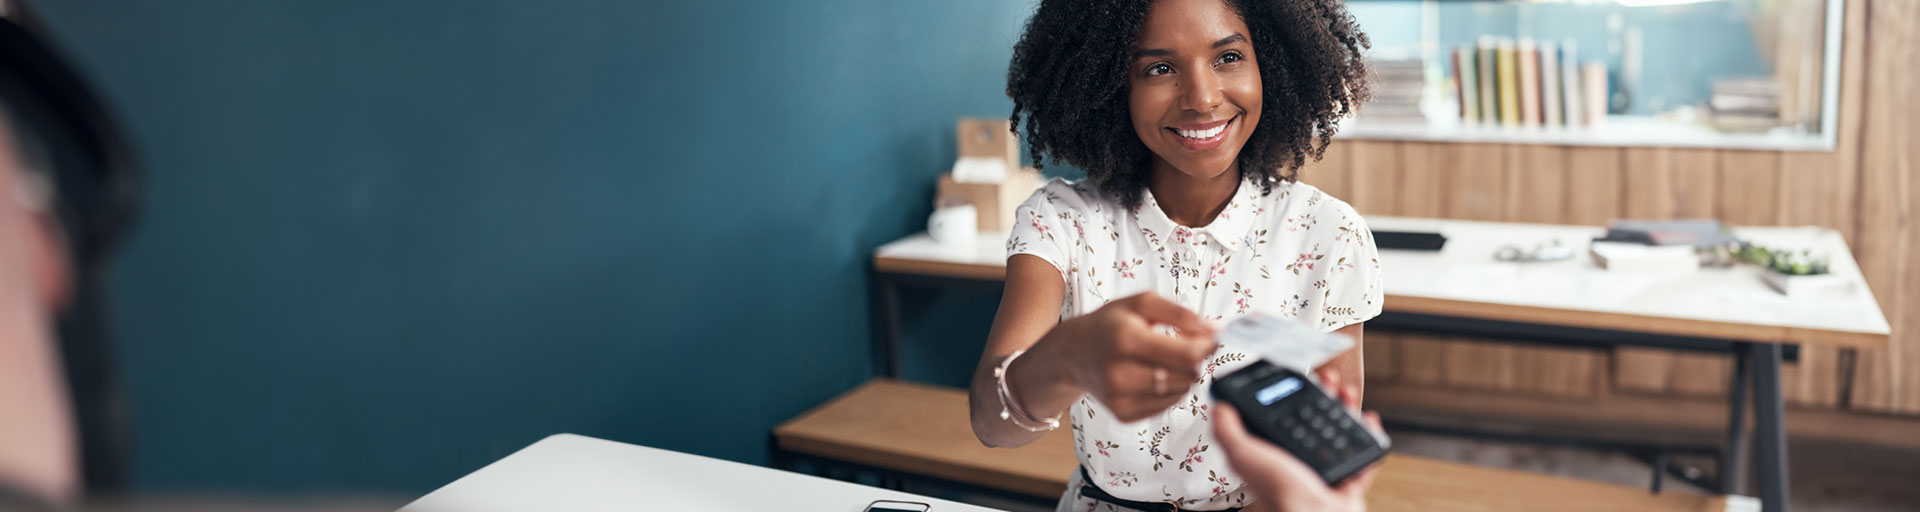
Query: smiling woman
{"points": [[1191, 119], [1080, 78]]}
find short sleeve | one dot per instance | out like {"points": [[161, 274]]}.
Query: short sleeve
{"points": [[1350, 285], [1039, 228]]}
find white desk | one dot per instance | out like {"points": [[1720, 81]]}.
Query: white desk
{"points": [[1463, 290], [582, 474], [1463, 279]]}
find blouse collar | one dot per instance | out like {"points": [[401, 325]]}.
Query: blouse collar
{"points": [[1231, 228]]}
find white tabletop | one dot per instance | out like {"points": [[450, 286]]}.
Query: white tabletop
{"points": [[1466, 271], [987, 248], [584, 474]]}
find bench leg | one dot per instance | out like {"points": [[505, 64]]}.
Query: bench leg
{"points": [[886, 324]]}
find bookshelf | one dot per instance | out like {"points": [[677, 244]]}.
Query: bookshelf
{"points": [[1724, 74], [1618, 130]]}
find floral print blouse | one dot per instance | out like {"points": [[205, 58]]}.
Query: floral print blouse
{"points": [[1295, 252]]}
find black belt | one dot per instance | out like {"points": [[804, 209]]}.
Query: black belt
{"points": [[1088, 489]]}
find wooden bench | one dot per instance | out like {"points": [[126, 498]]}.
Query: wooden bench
{"points": [[924, 430]]}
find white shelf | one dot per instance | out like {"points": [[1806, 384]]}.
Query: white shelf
{"points": [[1617, 131]]}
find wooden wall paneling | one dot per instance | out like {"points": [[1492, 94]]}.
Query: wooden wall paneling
{"points": [[1422, 358], [1478, 186], [1642, 370], [1593, 185], [1670, 183], [1333, 173], [1819, 188], [1380, 355], [1423, 193], [1537, 192], [1646, 193], [1696, 193], [1422, 179], [1749, 188], [1696, 182], [1376, 177], [1476, 181], [1374, 168], [1594, 197], [1473, 364], [1886, 380]]}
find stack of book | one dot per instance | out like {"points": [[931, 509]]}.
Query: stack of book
{"points": [[1529, 84], [1660, 245], [1745, 104], [1397, 86], [1696, 233]]}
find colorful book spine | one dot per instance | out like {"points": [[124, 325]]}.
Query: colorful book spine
{"points": [[1595, 93], [1550, 84], [1489, 87], [1509, 83], [1528, 59], [1465, 70], [1570, 83]]}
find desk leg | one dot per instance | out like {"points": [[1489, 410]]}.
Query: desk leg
{"points": [[1733, 456], [886, 321], [1770, 435]]}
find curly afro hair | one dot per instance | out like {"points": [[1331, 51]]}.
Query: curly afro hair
{"points": [[1069, 78]]}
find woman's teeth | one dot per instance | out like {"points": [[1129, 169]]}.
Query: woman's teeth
{"points": [[1203, 134]]}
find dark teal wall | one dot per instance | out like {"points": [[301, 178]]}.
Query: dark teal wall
{"points": [[389, 242]]}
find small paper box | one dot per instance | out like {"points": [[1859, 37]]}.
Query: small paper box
{"points": [[982, 137], [995, 202]]}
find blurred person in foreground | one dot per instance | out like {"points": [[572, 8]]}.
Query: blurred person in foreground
{"points": [[66, 193]]}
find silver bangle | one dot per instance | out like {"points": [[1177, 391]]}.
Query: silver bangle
{"points": [[1010, 410]]}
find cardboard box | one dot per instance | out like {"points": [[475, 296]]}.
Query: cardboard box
{"points": [[980, 137], [995, 202]]}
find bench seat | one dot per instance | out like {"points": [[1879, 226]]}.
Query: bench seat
{"points": [[924, 430]]}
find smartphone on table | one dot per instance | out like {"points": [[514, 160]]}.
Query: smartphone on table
{"points": [[897, 506]]}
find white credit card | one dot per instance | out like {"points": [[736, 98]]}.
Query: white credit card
{"points": [[1283, 342]]}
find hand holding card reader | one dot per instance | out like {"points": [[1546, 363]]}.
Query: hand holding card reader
{"points": [[1288, 408]]}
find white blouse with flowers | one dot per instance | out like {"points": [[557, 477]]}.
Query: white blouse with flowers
{"points": [[1295, 252]]}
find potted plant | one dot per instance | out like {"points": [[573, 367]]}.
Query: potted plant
{"points": [[1793, 272]]}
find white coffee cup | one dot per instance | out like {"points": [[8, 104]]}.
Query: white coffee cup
{"points": [[953, 225]]}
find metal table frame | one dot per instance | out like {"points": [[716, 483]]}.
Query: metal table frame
{"points": [[1756, 368]]}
